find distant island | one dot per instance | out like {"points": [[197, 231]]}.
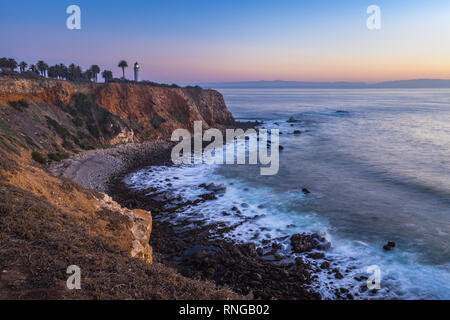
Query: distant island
{"points": [[280, 84]]}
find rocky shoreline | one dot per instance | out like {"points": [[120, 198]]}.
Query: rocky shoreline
{"points": [[200, 252]]}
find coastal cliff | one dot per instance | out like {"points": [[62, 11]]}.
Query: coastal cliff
{"points": [[48, 222], [111, 113]]}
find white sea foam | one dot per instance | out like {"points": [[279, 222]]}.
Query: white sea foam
{"points": [[268, 213]]}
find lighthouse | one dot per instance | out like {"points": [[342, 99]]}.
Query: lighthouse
{"points": [[136, 72]]}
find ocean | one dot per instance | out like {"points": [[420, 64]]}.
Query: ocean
{"points": [[377, 163]]}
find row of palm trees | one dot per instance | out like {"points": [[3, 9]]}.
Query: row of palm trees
{"points": [[60, 71]]}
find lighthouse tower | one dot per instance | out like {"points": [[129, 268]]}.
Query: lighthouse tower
{"points": [[136, 71]]}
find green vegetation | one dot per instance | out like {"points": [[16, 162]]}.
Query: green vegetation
{"points": [[95, 71], [147, 134], [77, 122], [20, 105], [8, 146], [58, 156], [157, 120], [93, 130], [123, 64], [4, 127], [180, 116], [30, 141], [67, 145], [42, 67], [38, 157], [60, 130], [72, 72], [8, 65], [107, 75], [86, 146], [22, 66]]}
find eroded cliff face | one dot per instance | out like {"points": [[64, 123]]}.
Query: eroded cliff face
{"points": [[95, 114], [157, 112]]}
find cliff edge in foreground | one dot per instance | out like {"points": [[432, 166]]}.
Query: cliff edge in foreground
{"points": [[48, 223]]}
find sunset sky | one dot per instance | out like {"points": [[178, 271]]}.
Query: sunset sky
{"points": [[201, 41]]}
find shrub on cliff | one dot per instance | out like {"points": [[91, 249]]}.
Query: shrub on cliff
{"points": [[20, 105], [38, 157], [60, 130], [157, 120], [67, 145], [58, 156]]}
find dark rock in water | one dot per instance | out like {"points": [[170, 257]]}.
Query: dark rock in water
{"points": [[276, 246], [244, 205], [208, 196], [306, 191], [316, 255], [325, 265], [203, 185], [281, 148], [303, 243], [307, 242], [338, 274], [293, 120], [390, 245], [297, 132], [291, 226], [260, 252], [216, 188]]}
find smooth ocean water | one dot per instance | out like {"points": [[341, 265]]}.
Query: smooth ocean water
{"points": [[379, 170]]}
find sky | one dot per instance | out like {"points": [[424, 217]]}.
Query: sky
{"points": [[188, 42]]}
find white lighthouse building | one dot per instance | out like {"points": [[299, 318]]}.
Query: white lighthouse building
{"points": [[136, 71]]}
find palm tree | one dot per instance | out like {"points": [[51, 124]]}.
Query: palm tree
{"points": [[123, 64], [74, 73], [95, 71], [78, 73], [34, 69], [107, 75], [63, 71], [3, 64], [12, 64], [71, 70], [42, 67], [23, 65], [52, 72], [88, 75], [8, 65]]}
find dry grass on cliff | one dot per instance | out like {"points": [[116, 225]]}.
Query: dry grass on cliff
{"points": [[39, 239]]}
